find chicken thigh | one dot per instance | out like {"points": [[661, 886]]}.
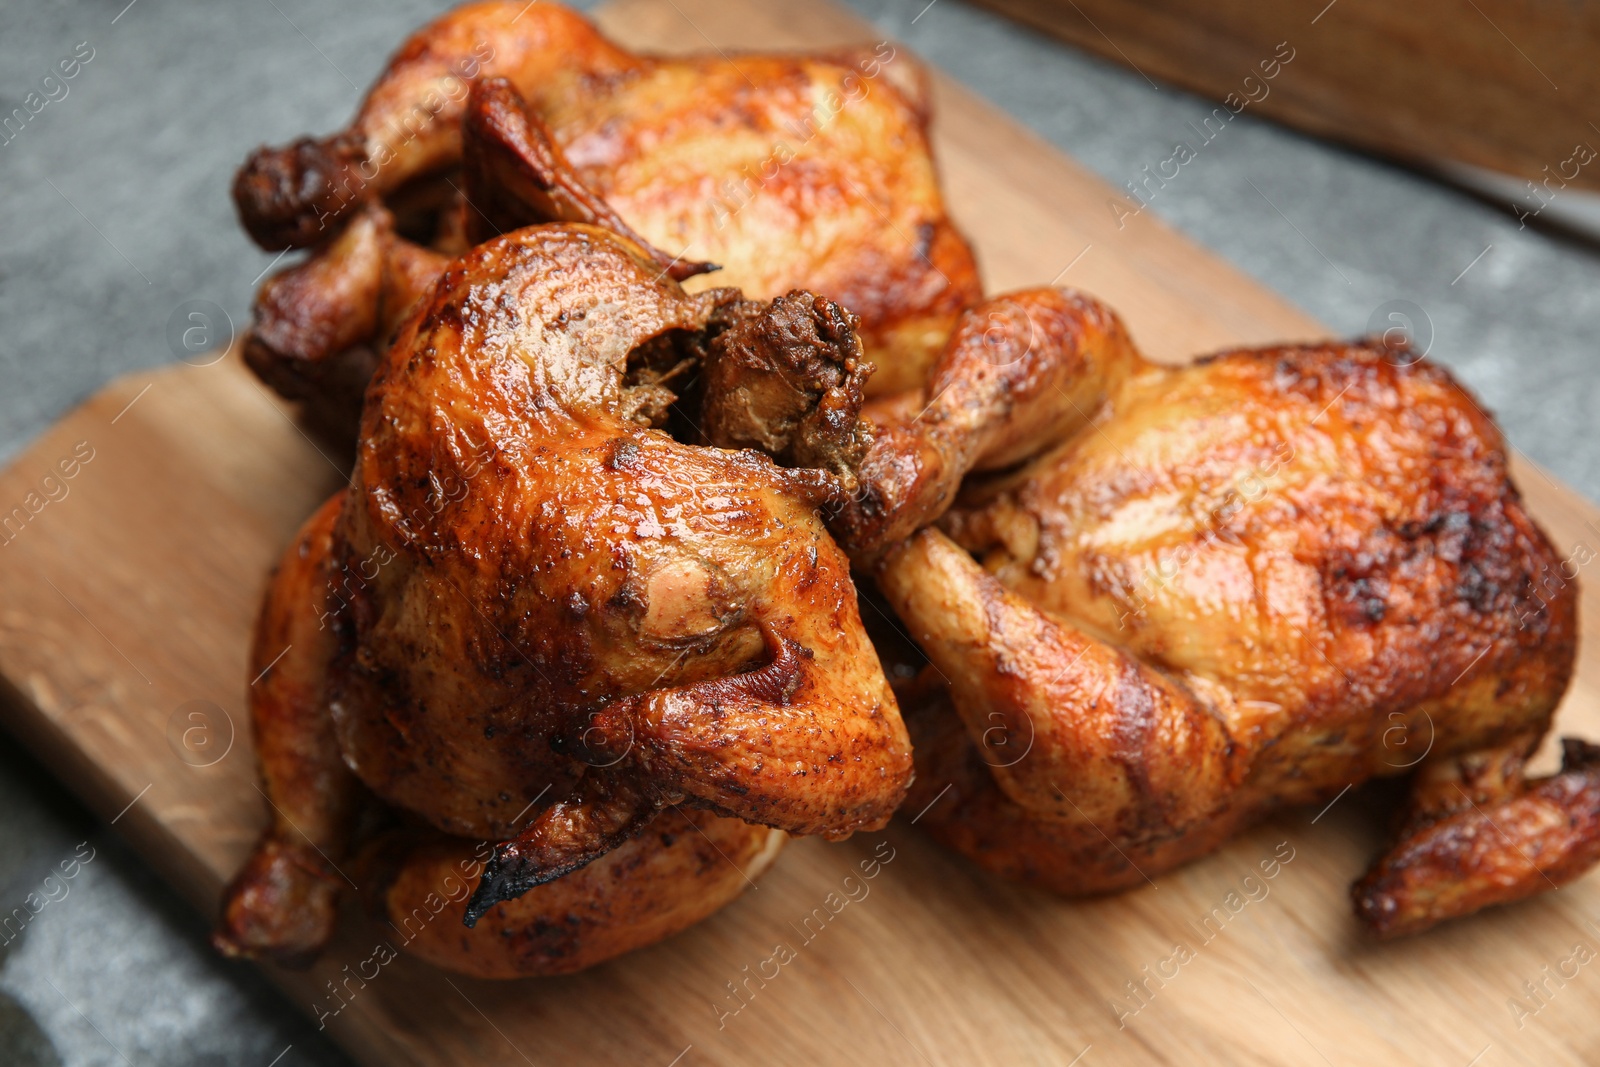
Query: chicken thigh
{"points": [[537, 619], [1245, 583]]}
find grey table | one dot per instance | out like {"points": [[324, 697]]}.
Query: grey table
{"points": [[116, 210]]}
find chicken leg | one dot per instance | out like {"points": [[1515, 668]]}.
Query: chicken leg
{"points": [[410, 123], [1019, 373], [284, 902]]}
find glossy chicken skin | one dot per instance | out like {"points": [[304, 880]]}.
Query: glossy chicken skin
{"points": [[283, 904], [1246, 583], [548, 621], [319, 324], [788, 171], [514, 175], [609, 578], [685, 866], [409, 125], [1018, 373]]}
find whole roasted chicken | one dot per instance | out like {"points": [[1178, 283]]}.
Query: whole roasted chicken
{"points": [[778, 172], [537, 618], [1221, 589]]}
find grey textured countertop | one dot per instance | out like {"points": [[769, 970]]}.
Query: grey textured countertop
{"points": [[116, 210]]}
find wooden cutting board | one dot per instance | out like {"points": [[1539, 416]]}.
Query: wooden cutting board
{"points": [[129, 596]]}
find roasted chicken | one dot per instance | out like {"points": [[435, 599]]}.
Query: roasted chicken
{"points": [[778, 172], [537, 618], [1221, 589]]}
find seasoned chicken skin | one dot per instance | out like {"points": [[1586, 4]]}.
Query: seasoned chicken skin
{"points": [[551, 621], [786, 171], [283, 903], [1245, 583], [684, 867]]}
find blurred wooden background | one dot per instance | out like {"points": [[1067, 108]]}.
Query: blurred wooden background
{"points": [[1508, 85]]}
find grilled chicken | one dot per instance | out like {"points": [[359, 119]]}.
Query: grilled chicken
{"points": [[1246, 583], [538, 619], [785, 172]]}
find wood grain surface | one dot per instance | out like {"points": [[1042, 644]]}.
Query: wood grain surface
{"points": [[129, 596], [1505, 84]]}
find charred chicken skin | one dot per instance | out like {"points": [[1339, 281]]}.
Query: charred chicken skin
{"points": [[780, 172], [1228, 587], [537, 619]]}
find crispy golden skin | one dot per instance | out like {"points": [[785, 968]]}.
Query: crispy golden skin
{"points": [[1019, 373], [409, 125], [283, 902], [503, 460], [788, 171], [1478, 833], [1246, 583], [685, 866], [542, 619], [515, 175], [319, 324]]}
